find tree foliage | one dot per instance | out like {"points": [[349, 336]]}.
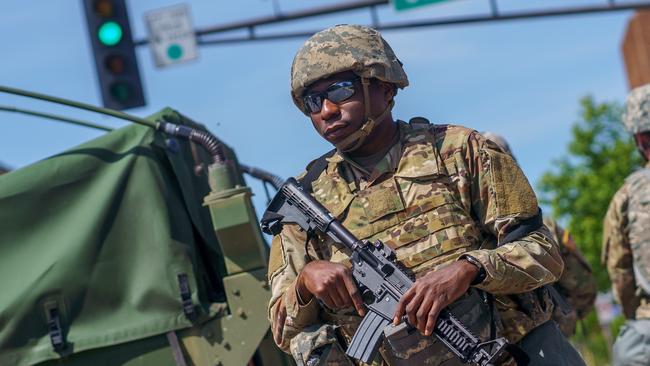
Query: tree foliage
{"points": [[579, 187]]}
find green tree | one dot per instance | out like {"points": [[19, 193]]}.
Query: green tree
{"points": [[600, 156]]}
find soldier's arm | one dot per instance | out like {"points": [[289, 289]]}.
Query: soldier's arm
{"points": [[577, 283], [501, 199], [288, 316], [617, 254]]}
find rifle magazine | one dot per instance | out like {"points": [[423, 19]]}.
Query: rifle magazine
{"points": [[367, 337]]}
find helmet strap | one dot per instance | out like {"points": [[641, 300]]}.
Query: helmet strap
{"points": [[358, 137]]}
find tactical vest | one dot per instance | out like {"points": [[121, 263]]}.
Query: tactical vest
{"points": [[638, 215], [419, 213], [415, 211]]}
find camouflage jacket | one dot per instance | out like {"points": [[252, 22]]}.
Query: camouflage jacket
{"points": [[577, 285], [618, 256], [448, 192]]}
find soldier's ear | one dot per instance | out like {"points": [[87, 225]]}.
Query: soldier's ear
{"points": [[389, 90]]}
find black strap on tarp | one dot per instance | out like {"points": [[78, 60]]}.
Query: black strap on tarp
{"points": [[55, 330], [186, 297]]}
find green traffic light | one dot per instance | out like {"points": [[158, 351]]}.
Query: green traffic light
{"points": [[110, 33], [120, 91]]}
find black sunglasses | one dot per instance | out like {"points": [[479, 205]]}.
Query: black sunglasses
{"points": [[335, 93]]}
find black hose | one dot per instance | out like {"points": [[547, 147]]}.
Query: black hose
{"points": [[261, 174], [203, 138], [210, 143]]}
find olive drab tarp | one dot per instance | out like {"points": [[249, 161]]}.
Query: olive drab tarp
{"points": [[95, 240]]}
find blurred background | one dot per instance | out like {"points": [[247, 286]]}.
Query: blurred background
{"points": [[550, 76]]}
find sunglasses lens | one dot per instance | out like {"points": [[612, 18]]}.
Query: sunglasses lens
{"points": [[313, 103], [336, 94], [340, 93]]}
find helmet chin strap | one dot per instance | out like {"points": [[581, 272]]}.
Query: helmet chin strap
{"points": [[358, 137]]}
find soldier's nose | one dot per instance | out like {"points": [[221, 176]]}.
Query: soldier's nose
{"points": [[329, 110]]}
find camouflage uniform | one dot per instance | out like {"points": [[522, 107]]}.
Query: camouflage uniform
{"points": [[577, 285], [440, 192], [448, 192], [618, 255], [626, 245]]}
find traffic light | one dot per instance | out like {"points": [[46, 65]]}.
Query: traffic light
{"points": [[115, 59]]}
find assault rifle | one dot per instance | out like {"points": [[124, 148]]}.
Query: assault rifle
{"points": [[380, 280]]}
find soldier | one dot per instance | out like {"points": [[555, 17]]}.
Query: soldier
{"points": [[626, 241], [577, 285], [459, 214]]}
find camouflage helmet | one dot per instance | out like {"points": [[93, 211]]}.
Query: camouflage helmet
{"points": [[636, 116], [342, 48]]}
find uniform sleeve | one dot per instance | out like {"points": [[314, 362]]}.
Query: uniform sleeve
{"points": [[501, 198], [577, 283], [286, 260], [617, 254]]}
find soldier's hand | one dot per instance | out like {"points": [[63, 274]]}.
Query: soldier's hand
{"points": [[433, 292], [331, 283]]}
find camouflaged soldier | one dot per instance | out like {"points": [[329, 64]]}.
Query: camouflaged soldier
{"points": [[577, 285], [626, 240], [441, 196]]}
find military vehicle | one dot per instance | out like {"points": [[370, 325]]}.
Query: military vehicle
{"points": [[140, 247]]}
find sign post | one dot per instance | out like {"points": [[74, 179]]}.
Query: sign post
{"points": [[171, 35]]}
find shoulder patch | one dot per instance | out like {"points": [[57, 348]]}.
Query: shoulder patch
{"points": [[514, 195]]}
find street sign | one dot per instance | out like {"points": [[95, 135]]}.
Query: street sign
{"points": [[410, 4], [171, 35]]}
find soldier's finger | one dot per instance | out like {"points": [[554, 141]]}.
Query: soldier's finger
{"points": [[343, 293], [412, 309], [401, 306], [337, 300], [355, 296], [327, 300], [431, 319], [422, 313]]}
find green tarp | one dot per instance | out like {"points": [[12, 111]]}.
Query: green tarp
{"points": [[101, 232]]}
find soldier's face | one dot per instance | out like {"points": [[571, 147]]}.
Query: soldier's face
{"points": [[335, 121]]}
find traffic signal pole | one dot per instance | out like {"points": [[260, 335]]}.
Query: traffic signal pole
{"points": [[493, 13]]}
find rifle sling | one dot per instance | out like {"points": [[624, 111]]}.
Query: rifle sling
{"points": [[315, 170]]}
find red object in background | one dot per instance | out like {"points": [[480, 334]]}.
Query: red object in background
{"points": [[636, 49]]}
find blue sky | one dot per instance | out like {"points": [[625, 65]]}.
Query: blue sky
{"points": [[522, 79]]}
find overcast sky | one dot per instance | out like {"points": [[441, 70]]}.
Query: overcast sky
{"points": [[522, 79]]}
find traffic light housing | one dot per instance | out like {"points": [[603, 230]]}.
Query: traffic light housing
{"points": [[114, 51]]}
